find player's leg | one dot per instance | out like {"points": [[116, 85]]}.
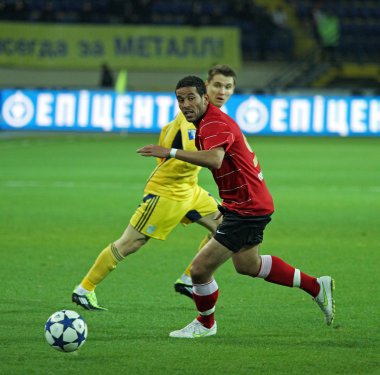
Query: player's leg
{"points": [[205, 290], [154, 218], [274, 270], [183, 284], [210, 222], [108, 259], [245, 236], [204, 211]]}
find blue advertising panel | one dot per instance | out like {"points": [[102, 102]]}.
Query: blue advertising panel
{"points": [[148, 112]]}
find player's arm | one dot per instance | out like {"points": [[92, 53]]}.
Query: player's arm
{"points": [[207, 158], [161, 140]]}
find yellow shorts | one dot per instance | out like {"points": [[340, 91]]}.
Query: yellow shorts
{"points": [[157, 216]]}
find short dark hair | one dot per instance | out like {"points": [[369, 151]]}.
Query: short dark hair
{"points": [[222, 69], [192, 81]]}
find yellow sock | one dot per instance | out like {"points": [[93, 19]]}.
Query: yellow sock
{"points": [[203, 242], [104, 264]]}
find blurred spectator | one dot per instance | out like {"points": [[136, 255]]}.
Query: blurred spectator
{"points": [[280, 17], [106, 77], [195, 17], [328, 31], [216, 16], [265, 28], [316, 14], [198, 17], [244, 10], [48, 13], [19, 10], [142, 11], [86, 12]]}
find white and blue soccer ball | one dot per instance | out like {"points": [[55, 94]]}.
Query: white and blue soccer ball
{"points": [[66, 331]]}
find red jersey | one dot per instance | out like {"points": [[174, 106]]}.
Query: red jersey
{"points": [[239, 179]]}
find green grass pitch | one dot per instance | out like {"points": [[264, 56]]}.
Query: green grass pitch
{"points": [[64, 197]]}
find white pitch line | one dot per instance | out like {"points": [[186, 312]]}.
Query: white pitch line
{"points": [[67, 185], [136, 186]]}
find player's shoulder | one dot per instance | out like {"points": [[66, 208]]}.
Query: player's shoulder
{"points": [[214, 112], [178, 121], [215, 117], [183, 123]]}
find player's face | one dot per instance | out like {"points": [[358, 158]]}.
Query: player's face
{"points": [[191, 104], [219, 89]]}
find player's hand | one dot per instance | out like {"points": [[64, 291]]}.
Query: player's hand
{"points": [[154, 150]]}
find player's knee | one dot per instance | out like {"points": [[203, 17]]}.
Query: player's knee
{"points": [[251, 269], [243, 270], [199, 273], [128, 246], [194, 272]]}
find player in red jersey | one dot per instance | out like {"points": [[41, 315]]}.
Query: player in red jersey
{"points": [[247, 208]]}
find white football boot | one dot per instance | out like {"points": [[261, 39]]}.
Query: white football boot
{"points": [[325, 299], [194, 330]]}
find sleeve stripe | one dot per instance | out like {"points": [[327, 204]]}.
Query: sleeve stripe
{"points": [[234, 171], [218, 144], [213, 122], [241, 202], [221, 142], [239, 187], [215, 135]]}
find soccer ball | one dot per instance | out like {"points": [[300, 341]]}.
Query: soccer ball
{"points": [[66, 331]]}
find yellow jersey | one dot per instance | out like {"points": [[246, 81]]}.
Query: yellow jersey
{"points": [[173, 178]]}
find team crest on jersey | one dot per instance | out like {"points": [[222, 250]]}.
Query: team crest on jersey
{"points": [[191, 133], [150, 229]]}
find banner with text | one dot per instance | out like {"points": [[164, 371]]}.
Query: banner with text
{"points": [[131, 47], [149, 112]]}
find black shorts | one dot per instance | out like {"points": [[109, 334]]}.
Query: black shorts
{"points": [[237, 231]]}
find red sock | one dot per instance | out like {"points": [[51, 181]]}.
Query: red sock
{"points": [[205, 297], [275, 270], [309, 284]]}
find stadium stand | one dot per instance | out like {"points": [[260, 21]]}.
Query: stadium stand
{"points": [[283, 31], [261, 38], [359, 25]]}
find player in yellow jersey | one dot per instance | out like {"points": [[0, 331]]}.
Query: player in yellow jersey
{"points": [[171, 196]]}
